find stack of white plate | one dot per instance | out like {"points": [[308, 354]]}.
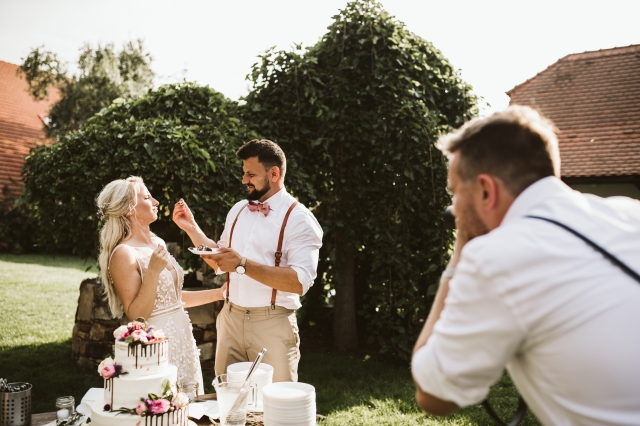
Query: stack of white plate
{"points": [[289, 404]]}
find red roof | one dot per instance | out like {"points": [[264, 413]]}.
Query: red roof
{"points": [[21, 125], [593, 98]]}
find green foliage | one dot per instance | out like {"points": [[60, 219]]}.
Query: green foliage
{"points": [[104, 75], [358, 115], [181, 139], [16, 223]]}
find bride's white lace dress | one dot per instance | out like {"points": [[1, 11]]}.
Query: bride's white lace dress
{"points": [[169, 316]]}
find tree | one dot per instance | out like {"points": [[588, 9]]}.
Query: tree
{"points": [[358, 114], [103, 75], [181, 139]]}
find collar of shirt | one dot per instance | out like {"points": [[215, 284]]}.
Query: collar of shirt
{"points": [[277, 200], [534, 195]]}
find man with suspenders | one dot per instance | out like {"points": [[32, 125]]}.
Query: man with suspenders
{"points": [[543, 280], [269, 252]]}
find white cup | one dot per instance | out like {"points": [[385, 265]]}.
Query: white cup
{"points": [[262, 377]]}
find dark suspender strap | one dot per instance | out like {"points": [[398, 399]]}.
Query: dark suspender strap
{"points": [[522, 405], [517, 418], [278, 253], [231, 239]]}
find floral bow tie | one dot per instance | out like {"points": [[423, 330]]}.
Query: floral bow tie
{"points": [[259, 207]]}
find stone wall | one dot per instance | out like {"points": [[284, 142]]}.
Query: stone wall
{"points": [[92, 338]]}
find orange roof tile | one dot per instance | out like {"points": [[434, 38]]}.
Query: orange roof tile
{"points": [[593, 98], [21, 125]]}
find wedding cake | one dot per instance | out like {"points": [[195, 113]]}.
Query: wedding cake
{"points": [[139, 382]]}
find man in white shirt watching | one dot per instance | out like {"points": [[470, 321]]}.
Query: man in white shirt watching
{"points": [[526, 294], [269, 250]]}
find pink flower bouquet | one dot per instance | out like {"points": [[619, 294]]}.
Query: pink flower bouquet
{"points": [[137, 332]]}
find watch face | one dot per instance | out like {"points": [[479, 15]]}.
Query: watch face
{"points": [[240, 269]]}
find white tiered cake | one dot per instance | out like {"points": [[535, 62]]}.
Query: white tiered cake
{"points": [[140, 368]]}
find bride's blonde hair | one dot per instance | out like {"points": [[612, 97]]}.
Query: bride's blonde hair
{"points": [[115, 201]]}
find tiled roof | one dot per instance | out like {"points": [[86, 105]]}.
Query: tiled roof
{"points": [[593, 98], [21, 125]]}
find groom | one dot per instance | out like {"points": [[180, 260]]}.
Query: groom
{"points": [[269, 251]]}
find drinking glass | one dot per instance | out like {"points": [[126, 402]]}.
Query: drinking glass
{"points": [[262, 376], [227, 393], [190, 388]]}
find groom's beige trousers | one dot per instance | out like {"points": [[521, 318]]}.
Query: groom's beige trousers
{"points": [[243, 332]]}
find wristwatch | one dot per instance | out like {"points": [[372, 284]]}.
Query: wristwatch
{"points": [[240, 269], [448, 273]]}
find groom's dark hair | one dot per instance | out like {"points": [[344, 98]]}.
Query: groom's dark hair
{"points": [[269, 154]]}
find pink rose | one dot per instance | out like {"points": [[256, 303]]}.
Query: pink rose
{"points": [[141, 408], [137, 325], [159, 406], [108, 371], [139, 335]]}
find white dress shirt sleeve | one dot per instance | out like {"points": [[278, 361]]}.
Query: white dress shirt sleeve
{"points": [[475, 337], [302, 247]]}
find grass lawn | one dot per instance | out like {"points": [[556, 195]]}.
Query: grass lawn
{"points": [[38, 300]]}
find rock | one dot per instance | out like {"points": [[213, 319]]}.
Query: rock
{"points": [[208, 365], [201, 315], [198, 334], [98, 350], [101, 313], [207, 351], [209, 336], [87, 364], [85, 301], [82, 330], [102, 332]]}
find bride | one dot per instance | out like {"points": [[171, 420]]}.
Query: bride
{"points": [[141, 279]]}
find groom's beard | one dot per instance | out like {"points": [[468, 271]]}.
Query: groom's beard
{"points": [[256, 194]]}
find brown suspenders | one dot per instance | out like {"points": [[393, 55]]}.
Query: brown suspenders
{"points": [[278, 253]]}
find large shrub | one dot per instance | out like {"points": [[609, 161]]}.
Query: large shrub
{"points": [[181, 139], [17, 225], [357, 115]]}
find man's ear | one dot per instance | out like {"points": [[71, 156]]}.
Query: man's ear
{"points": [[274, 173], [489, 188]]}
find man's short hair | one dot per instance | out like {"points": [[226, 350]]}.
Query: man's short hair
{"points": [[269, 154], [516, 145]]}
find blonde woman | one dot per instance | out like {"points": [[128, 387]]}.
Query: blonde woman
{"points": [[140, 278]]}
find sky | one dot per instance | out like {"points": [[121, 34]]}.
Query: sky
{"points": [[496, 45]]}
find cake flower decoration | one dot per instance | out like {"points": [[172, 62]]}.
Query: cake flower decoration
{"points": [[155, 405], [137, 332], [108, 368]]}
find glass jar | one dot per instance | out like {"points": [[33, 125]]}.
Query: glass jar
{"points": [[190, 388], [65, 406]]}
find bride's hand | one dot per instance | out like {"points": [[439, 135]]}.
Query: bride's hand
{"points": [[182, 216], [159, 260]]}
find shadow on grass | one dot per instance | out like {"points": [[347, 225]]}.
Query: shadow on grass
{"points": [[51, 370], [350, 388], [51, 260]]}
